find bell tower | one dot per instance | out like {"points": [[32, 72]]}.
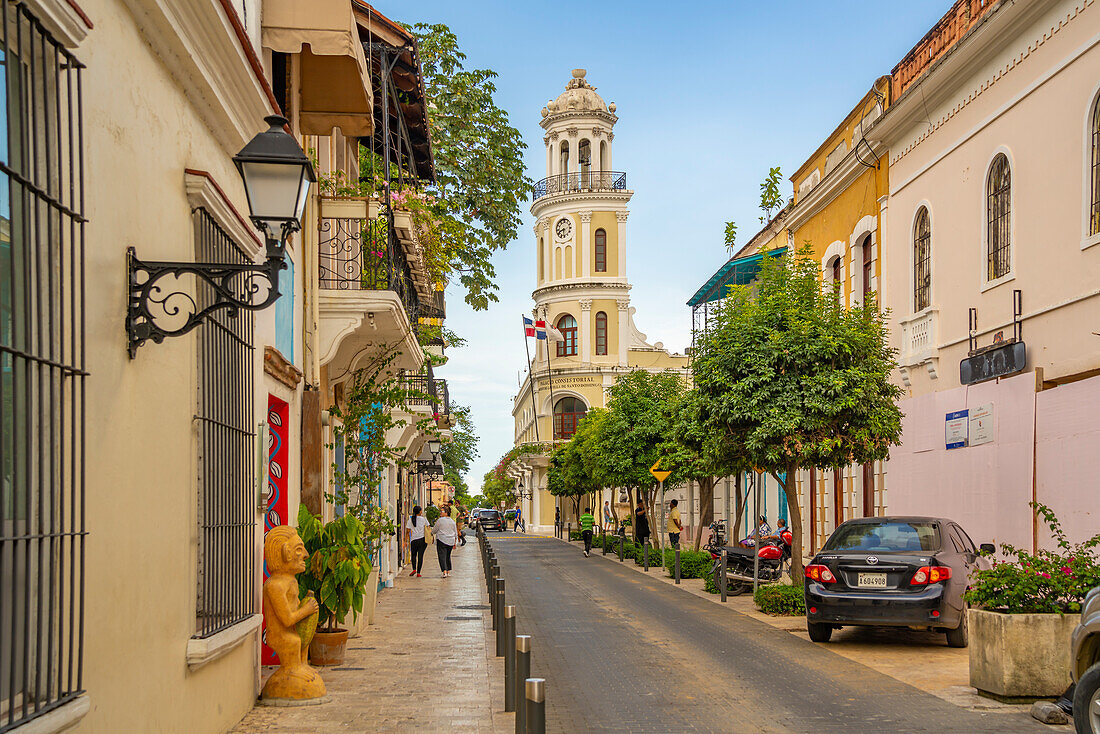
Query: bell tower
{"points": [[580, 231]]}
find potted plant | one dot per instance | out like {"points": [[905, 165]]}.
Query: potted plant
{"points": [[336, 573], [1023, 613], [377, 527]]}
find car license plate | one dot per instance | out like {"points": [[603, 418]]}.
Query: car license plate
{"points": [[871, 580]]}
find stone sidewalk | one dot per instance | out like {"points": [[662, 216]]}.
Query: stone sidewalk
{"points": [[427, 664]]}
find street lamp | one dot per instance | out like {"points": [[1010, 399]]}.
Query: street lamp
{"points": [[277, 176]]}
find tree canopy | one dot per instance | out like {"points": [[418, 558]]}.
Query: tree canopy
{"points": [[480, 179], [459, 452], [789, 378]]}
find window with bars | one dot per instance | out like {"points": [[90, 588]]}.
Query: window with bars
{"points": [[1094, 210], [601, 251], [227, 448], [568, 412], [567, 347], [601, 332], [999, 219], [922, 261], [42, 371]]}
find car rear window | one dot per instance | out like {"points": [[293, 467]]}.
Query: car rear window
{"points": [[885, 537], [490, 514]]}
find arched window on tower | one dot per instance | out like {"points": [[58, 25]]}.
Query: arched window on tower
{"points": [[603, 156], [568, 412], [601, 251], [567, 347], [922, 261], [563, 160], [601, 332], [584, 163], [542, 258]]}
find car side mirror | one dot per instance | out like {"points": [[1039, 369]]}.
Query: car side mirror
{"points": [[987, 548]]}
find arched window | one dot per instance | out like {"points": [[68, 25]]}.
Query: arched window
{"points": [[603, 156], [564, 159], [601, 251], [1094, 213], [835, 267], [999, 219], [922, 261], [601, 332], [584, 163], [868, 269], [568, 412], [542, 258], [567, 347]]}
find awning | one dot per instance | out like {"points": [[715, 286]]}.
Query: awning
{"points": [[741, 271], [335, 78]]}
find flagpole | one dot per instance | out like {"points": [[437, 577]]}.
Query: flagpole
{"points": [[550, 380], [531, 374]]}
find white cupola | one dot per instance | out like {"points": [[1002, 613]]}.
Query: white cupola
{"points": [[578, 127]]}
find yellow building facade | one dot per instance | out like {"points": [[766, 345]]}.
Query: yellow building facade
{"points": [[581, 288]]}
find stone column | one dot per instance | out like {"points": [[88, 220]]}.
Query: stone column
{"points": [[624, 320], [621, 265], [584, 248], [586, 329]]}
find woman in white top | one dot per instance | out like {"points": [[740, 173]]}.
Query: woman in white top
{"points": [[446, 535], [414, 533]]}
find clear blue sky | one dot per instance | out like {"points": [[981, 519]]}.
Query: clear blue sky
{"points": [[710, 95]]}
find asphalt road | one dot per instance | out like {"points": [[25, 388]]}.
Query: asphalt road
{"points": [[623, 652]]}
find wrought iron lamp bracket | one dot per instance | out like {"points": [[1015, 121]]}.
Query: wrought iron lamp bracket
{"points": [[161, 306]]}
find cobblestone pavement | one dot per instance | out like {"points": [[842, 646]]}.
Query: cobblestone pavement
{"points": [[621, 651], [426, 664]]}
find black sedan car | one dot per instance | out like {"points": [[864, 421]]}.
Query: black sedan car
{"points": [[490, 520], [892, 572]]}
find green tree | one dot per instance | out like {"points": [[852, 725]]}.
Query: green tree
{"points": [[480, 181], [459, 452], [731, 237], [571, 472], [790, 378], [771, 197], [498, 490], [630, 438]]}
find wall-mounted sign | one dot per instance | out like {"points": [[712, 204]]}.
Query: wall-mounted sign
{"points": [[573, 381], [957, 429], [999, 360], [981, 425]]}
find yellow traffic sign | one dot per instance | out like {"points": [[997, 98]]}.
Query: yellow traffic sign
{"points": [[657, 473]]}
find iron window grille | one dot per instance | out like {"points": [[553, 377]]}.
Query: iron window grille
{"points": [[42, 372], [1094, 213], [567, 347], [601, 251], [568, 412], [999, 216], [227, 435], [601, 333], [922, 261]]}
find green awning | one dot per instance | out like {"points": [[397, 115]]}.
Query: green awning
{"points": [[741, 271]]}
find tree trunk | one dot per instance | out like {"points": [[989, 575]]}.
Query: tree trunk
{"points": [[795, 513], [735, 530], [706, 507]]}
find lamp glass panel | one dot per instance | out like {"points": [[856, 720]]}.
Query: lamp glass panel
{"points": [[273, 189]]}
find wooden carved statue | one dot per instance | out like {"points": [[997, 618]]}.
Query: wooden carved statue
{"points": [[290, 622]]}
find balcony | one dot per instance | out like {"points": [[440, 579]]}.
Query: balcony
{"points": [[432, 396], [568, 183], [918, 344], [372, 282]]}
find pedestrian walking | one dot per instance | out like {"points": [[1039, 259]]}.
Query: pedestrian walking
{"points": [[641, 525], [675, 527], [519, 520], [608, 516], [446, 535], [414, 534], [587, 521]]}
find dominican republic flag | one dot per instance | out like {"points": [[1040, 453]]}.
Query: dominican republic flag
{"points": [[528, 326], [542, 331]]}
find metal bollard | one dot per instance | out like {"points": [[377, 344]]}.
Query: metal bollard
{"points": [[535, 707], [645, 555], [603, 541], [510, 658], [722, 572], [500, 618], [677, 565], [522, 673], [621, 540], [494, 606], [569, 532]]}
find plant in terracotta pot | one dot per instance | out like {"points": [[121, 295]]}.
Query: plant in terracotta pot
{"points": [[1023, 612], [336, 574]]}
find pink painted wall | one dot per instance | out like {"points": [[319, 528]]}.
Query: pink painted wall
{"points": [[1067, 456], [984, 488]]}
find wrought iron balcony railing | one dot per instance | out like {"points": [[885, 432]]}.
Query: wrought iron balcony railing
{"points": [[359, 254], [431, 392], [583, 181]]}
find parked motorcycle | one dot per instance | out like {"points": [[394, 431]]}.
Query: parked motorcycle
{"points": [[775, 560]]}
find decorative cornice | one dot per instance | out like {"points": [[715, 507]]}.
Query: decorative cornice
{"points": [[276, 365], [589, 197], [203, 191], [586, 216], [581, 286], [559, 117], [835, 182], [64, 19]]}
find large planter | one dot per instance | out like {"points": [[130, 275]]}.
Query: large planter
{"points": [[1020, 656], [328, 648]]}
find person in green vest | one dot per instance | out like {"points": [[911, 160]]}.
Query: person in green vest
{"points": [[586, 530]]}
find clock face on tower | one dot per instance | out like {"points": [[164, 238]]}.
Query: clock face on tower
{"points": [[563, 228]]}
